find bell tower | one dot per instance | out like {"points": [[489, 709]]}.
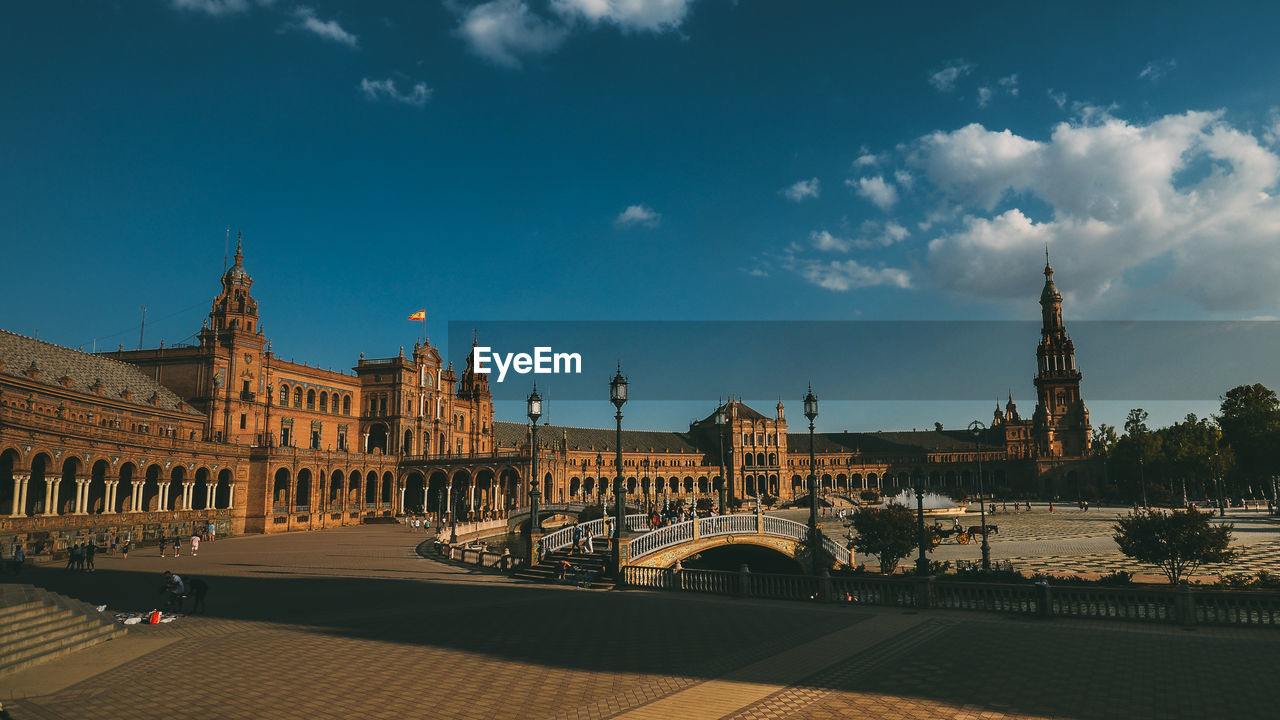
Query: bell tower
{"points": [[1061, 419]]}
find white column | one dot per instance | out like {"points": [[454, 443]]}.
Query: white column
{"points": [[19, 495], [448, 498], [50, 496], [188, 495], [164, 496], [209, 495], [82, 491], [109, 502], [231, 495], [135, 497]]}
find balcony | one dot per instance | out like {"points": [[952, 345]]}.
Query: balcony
{"points": [[247, 395]]}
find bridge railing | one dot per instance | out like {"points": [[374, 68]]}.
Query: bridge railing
{"points": [[1114, 603], [563, 537], [726, 525], [870, 590]]}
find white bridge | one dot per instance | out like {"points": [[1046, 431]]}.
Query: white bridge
{"points": [[667, 545]]}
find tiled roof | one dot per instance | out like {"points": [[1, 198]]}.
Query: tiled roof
{"points": [[84, 370], [511, 434], [888, 443]]}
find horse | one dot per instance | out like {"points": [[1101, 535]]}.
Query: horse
{"points": [[991, 529]]}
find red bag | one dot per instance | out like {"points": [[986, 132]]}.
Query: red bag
{"points": [[154, 617]]}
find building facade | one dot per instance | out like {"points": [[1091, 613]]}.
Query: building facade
{"points": [[160, 440]]}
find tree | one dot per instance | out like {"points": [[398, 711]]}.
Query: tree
{"points": [[888, 534], [1178, 543], [1250, 423], [1104, 439]]}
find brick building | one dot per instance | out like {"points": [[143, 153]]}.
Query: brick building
{"points": [[156, 441]]}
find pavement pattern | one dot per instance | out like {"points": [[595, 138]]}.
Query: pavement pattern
{"points": [[350, 622]]}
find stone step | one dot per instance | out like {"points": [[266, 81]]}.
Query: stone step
{"points": [[54, 632], [91, 635], [51, 618], [22, 611]]}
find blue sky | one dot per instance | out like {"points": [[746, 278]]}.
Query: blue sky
{"points": [[636, 159]]}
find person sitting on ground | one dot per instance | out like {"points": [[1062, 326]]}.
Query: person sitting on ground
{"points": [[174, 586]]}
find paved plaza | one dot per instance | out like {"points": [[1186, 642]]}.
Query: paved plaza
{"points": [[351, 623], [1071, 541]]}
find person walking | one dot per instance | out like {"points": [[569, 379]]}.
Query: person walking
{"points": [[577, 539], [213, 532], [177, 545], [195, 545], [589, 542], [124, 548], [90, 549], [164, 545], [198, 589], [19, 558]]}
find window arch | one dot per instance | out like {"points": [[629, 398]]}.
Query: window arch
{"points": [[311, 399], [324, 401], [346, 404], [284, 394], [297, 397]]}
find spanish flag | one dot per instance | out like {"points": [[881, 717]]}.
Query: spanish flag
{"points": [[420, 316]]}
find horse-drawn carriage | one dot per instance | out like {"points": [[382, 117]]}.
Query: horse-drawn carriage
{"points": [[963, 535]]}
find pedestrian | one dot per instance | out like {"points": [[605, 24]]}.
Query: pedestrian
{"points": [[195, 545], [213, 532], [71, 556], [124, 548], [577, 539], [590, 543], [90, 549], [198, 589], [19, 558], [164, 545], [177, 545], [174, 586]]}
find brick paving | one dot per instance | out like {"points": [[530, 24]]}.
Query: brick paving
{"points": [[351, 623]]}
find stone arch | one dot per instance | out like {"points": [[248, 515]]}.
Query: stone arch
{"points": [[415, 493], [337, 483], [377, 439], [324, 401], [176, 477], [407, 446], [388, 487], [437, 498], [462, 500], [96, 493], [302, 491], [370, 489], [65, 490], [280, 489], [38, 485], [9, 459], [151, 488], [222, 491], [575, 487], [200, 493], [124, 488]]}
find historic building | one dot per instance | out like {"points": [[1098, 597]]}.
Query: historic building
{"points": [[156, 441]]}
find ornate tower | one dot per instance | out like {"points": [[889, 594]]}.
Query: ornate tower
{"points": [[234, 379], [1061, 420]]}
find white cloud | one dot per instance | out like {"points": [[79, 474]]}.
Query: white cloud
{"points": [[386, 90], [1010, 84], [502, 31], [866, 159], [1058, 98], [904, 178], [944, 80], [306, 19], [1157, 69], [826, 242], [212, 7], [842, 275], [984, 96], [1183, 206], [629, 15], [636, 215], [802, 189], [876, 191]]}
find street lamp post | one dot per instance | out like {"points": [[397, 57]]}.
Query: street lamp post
{"points": [[721, 421], [976, 427], [1217, 483], [452, 506], [534, 406], [815, 540], [922, 562], [618, 396], [1142, 478]]}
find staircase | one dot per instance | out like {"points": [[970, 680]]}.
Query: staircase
{"points": [[592, 565], [37, 625]]}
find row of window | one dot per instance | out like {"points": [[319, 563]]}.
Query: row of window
{"points": [[326, 401]]}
